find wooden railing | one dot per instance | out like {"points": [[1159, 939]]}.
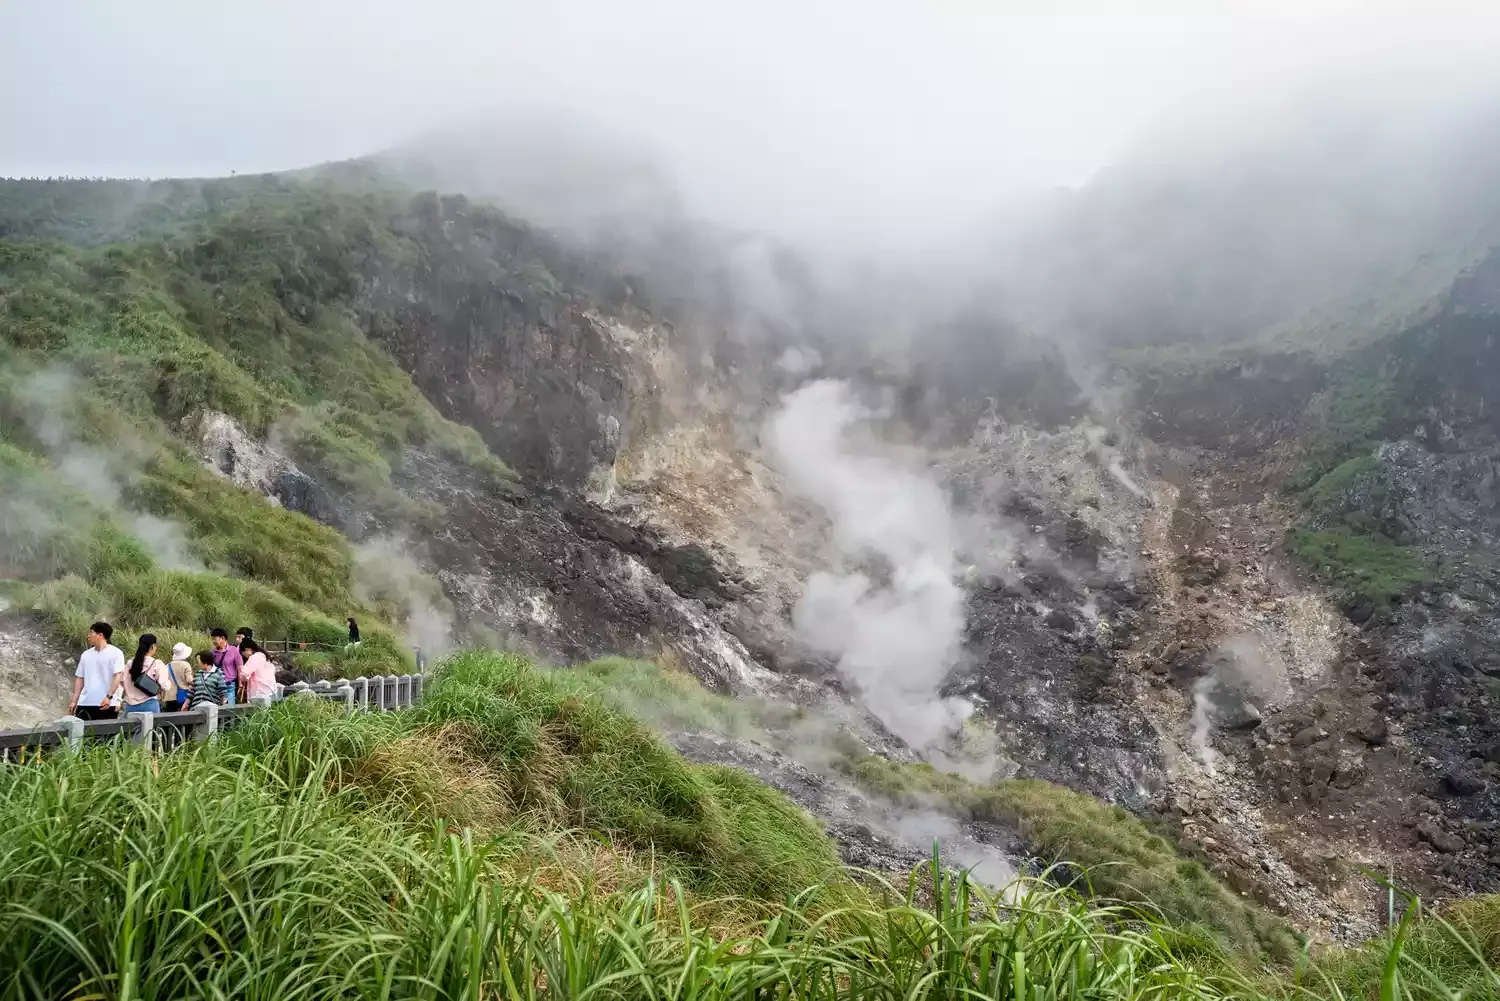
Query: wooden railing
{"points": [[166, 731]]}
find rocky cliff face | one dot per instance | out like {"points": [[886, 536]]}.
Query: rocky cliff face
{"points": [[487, 328], [1339, 517]]}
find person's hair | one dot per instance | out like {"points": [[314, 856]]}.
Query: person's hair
{"points": [[205, 657], [103, 629], [219, 632], [249, 644], [246, 632], [138, 662]]}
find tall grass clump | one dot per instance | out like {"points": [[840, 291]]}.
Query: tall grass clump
{"points": [[569, 759], [207, 875]]}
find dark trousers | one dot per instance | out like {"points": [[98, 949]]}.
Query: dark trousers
{"points": [[96, 712], [174, 706]]}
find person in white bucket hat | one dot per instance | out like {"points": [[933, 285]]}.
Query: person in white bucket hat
{"points": [[179, 686]]}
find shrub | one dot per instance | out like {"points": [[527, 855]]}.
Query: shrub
{"points": [[1367, 567], [567, 756]]}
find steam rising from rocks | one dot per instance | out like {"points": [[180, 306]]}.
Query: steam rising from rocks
{"points": [[1239, 670], [386, 575], [897, 628], [47, 400]]}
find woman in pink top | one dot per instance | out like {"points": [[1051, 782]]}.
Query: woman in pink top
{"points": [[143, 665], [258, 673]]}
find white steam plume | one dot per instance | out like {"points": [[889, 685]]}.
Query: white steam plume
{"points": [[1109, 456], [385, 575], [1201, 723], [896, 639], [47, 398]]}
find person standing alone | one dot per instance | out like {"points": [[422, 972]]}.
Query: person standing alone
{"points": [[100, 671]]}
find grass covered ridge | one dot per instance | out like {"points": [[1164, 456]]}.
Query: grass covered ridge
{"points": [[1124, 860], [238, 297], [515, 837]]}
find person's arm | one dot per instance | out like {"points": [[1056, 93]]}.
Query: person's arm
{"points": [[77, 691], [117, 684]]}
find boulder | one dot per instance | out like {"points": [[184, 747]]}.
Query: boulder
{"points": [[1234, 711], [1462, 782], [1308, 736], [1059, 620], [1439, 839], [1371, 728]]}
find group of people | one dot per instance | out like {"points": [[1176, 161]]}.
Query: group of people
{"points": [[224, 674]]}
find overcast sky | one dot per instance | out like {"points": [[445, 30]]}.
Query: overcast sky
{"points": [[794, 107]]}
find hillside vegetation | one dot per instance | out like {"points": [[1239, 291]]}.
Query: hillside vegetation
{"points": [[516, 837], [237, 298]]}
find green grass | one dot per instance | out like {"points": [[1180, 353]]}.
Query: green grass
{"points": [[75, 562], [242, 297], [1366, 567], [1325, 493], [674, 700], [1123, 858], [433, 854], [1347, 421], [1345, 546], [1126, 860], [250, 311], [579, 762]]}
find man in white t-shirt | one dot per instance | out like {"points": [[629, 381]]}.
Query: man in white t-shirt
{"points": [[101, 670]]}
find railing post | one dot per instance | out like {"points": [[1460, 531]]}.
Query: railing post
{"points": [[145, 722], [347, 691], [209, 728], [377, 695], [416, 688], [362, 687], [295, 688], [75, 732]]}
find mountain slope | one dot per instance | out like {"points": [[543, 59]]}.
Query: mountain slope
{"points": [[1145, 615]]}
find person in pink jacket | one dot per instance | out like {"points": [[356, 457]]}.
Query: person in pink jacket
{"points": [[258, 673]]}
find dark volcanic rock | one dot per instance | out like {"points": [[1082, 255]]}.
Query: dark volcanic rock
{"points": [[484, 327], [1439, 839], [1059, 620], [1462, 782], [299, 492], [526, 573], [1055, 720], [689, 570]]}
